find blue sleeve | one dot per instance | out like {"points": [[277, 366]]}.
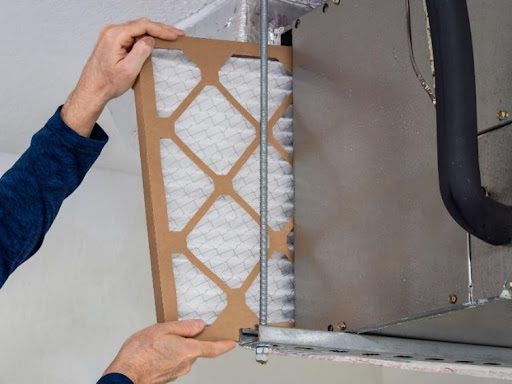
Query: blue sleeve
{"points": [[115, 378], [33, 190]]}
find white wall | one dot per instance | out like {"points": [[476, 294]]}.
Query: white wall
{"points": [[66, 311]]}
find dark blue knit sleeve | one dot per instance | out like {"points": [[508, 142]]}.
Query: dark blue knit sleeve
{"points": [[115, 378], [32, 191]]}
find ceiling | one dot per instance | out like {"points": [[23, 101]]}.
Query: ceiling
{"points": [[44, 46]]}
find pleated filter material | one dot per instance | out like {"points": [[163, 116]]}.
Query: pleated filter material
{"points": [[198, 112], [226, 239]]}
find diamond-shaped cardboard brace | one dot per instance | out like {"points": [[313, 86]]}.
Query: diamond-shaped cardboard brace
{"points": [[197, 110]]}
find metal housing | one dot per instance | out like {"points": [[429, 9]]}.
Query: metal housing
{"points": [[374, 243]]}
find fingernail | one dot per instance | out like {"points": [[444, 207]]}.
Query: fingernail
{"points": [[148, 40], [199, 323]]}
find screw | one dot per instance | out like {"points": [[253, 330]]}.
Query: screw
{"points": [[325, 8], [341, 326], [262, 355], [297, 23], [337, 2], [330, 328], [502, 115], [452, 299]]}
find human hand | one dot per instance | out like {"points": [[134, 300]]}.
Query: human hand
{"points": [[164, 352], [112, 68]]}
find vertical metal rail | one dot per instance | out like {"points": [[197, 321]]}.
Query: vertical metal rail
{"points": [[262, 350], [263, 161]]}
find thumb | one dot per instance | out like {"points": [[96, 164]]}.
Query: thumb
{"points": [[217, 348], [139, 54], [184, 328]]}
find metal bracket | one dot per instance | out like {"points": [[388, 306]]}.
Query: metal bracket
{"points": [[293, 341]]}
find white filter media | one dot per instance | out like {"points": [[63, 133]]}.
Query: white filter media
{"points": [[226, 237], [224, 241], [215, 130], [281, 288], [175, 76], [187, 184], [198, 297], [241, 76], [280, 187], [283, 130]]}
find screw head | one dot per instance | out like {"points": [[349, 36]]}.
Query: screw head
{"points": [[341, 326], [325, 7], [297, 23], [502, 115], [262, 355], [452, 299]]}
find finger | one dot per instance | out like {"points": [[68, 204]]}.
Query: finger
{"points": [[147, 27], [212, 349], [184, 328], [139, 53]]}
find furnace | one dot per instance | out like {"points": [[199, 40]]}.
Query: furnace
{"points": [[397, 256]]}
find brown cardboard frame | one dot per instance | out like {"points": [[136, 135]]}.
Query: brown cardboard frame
{"points": [[209, 56]]}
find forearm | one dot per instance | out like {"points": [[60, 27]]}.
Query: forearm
{"points": [[32, 191], [84, 106], [81, 112]]}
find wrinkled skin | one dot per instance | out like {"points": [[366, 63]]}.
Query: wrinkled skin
{"points": [[112, 68], [164, 352]]}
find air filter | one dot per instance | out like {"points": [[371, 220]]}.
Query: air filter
{"points": [[198, 111]]}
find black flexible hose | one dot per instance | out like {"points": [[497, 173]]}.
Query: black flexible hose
{"points": [[457, 141]]}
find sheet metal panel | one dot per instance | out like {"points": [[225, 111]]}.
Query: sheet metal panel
{"points": [[486, 323], [492, 266], [374, 244], [492, 41]]}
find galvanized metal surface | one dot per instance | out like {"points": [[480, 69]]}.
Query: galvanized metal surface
{"points": [[386, 351], [374, 243], [483, 324], [263, 162], [262, 350], [492, 44], [492, 266], [484, 319]]}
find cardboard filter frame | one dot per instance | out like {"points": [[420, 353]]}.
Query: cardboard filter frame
{"points": [[209, 56]]}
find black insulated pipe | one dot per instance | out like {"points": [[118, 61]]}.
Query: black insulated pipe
{"points": [[457, 137]]}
